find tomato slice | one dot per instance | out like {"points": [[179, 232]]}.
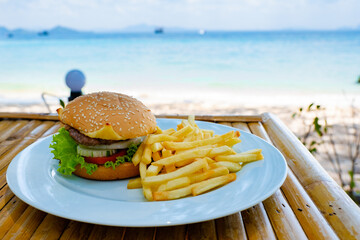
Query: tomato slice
{"points": [[103, 160]]}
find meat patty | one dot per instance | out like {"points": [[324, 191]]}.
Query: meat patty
{"points": [[85, 140]]}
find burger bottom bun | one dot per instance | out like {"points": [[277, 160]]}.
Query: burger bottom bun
{"points": [[124, 170]]}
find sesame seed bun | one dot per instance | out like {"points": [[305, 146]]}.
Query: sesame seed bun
{"points": [[108, 115], [124, 170]]}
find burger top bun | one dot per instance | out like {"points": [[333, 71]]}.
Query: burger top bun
{"points": [[108, 115]]}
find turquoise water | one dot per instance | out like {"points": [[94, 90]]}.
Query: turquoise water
{"points": [[295, 61]]}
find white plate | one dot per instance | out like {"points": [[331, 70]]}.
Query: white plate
{"points": [[32, 176]]}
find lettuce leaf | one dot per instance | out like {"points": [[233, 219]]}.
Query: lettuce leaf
{"points": [[64, 149], [126, 158]]}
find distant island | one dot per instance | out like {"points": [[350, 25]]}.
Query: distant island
{"points": [[65, 32], [60, 31]]}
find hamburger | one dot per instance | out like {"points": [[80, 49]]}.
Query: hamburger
{"points": [[101, 134]]}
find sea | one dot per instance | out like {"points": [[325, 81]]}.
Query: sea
{"points": [[275, 62]]}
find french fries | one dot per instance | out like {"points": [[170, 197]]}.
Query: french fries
{"points": [[187, 161]]}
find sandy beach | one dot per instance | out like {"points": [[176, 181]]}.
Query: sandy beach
{"points": [[337, 109]]}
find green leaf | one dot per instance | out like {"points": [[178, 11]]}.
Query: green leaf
{"points": [[64, 149], [313, 150], [310, 106], [62, 103], [352, 182], [293, 115], [122, 159], [317, 126]]}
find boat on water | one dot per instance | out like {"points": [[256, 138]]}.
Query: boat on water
{"points": [[159, 30], [202, 31]]}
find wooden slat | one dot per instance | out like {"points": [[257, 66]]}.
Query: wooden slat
{"points": [[3, 177], [174, 233], [27, 135], [203, 230], [311, 220], [6, 158], [5, 195], [77, 230], [282, 217], [225, 123], [50, 228], [335, 205], [16, 137], [241, 126], [139, 233], [52, 129], [106, 233], [10, 214], [11, 129], [26, 225], [212, 118], [230, 227], [36, 116], [257, 223], [4, 124]]}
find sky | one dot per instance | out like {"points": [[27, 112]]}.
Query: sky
{"points": [[105, 15]]}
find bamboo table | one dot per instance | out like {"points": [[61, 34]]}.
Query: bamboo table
{"points": [[309, 204]]}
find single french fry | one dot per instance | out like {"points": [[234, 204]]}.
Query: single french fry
{"points": [[215, 172], [210, 160], [134, 183], [244, 158], [156, 156], [236, 134], [211, 183], [191, 154], [232, 141], [192, 149], [155, 147], [148, 193], [207, 135], [160, 138], [175, 183], [232, 166], [184, 162], [180, 125], [146, 158], [158, 130], [153, 170], [174, 194], [168, 131], [199, 134], [142, 170], [198, 143], [252, 151], [223, 150], [191, 120], [139, 152], [182, 133], [170, 168], [166, 153], [180, 172], [208, 132]]}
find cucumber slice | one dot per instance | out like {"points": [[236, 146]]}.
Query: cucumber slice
{"points": [[86, 152]]}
